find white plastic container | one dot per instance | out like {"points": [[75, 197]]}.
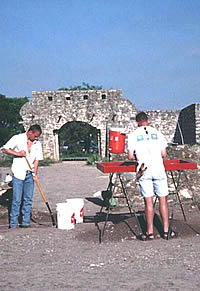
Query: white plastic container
{"points": [[8, 178], [77, 207], [65, 216]]}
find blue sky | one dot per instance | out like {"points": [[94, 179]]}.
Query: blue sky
{"points": [[148, 48]]}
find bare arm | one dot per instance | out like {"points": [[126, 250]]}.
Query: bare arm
{"points": [[131, 156], [11, 152], [164, 153], [36, 164]]}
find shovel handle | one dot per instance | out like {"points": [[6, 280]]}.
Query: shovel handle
{"points": [[28, 164], [46, 202], [37, 182], [42, 194]]}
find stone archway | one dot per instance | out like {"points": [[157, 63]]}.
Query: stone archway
{"points": [[99, 108]]}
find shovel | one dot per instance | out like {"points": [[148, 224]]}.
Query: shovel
{"points": [[43, 196], [141, 171]]}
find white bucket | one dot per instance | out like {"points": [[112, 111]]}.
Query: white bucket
{"points": [[65, 216], [77, 206]]}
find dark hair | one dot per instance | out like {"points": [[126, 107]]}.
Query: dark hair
{"points": [[35, 128], [142, 116]]}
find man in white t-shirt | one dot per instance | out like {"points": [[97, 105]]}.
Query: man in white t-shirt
{"points": [[148, 146], [23, 147]]}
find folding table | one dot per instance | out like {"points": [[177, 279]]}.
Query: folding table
{"points": [[175, 167], [118, 168]]}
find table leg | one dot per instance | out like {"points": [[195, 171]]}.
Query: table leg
{"points": [[111, 187], [177, 185], [132, 211]]}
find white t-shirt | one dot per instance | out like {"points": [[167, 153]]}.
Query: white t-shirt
{"points": [[18, 143], [147, 143]]}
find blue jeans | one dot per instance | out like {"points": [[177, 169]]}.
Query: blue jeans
{"points": [[22, 195]]}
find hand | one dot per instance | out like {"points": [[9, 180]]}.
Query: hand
{"points": [[22, 154], [35, 178]]}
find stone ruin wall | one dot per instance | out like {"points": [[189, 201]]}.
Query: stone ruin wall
{"points": [[103, 109]]}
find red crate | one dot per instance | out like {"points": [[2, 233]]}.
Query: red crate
{"points": [[130, 166], [171, 165], [117, 167]]}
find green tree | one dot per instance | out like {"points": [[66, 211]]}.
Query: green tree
{"points": [[78, 136], [84, 86], [10, 117]]}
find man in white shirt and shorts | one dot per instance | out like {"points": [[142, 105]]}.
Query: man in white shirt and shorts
{"points": [[23, 147], [148, 146]]}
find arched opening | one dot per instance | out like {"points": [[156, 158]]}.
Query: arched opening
{"points": [[78, 139]]}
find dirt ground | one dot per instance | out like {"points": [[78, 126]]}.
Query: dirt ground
{"points": [[46, 258]]}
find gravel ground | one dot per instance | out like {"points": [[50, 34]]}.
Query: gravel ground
{"points": [[46, 258]]}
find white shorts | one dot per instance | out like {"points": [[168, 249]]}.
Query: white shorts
{"points": [[149, 187]]}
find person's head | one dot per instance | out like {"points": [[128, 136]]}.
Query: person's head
{"points": [[34, 132], [142, 119]]}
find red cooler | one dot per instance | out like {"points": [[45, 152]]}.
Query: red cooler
{"points": [[116, 140]]}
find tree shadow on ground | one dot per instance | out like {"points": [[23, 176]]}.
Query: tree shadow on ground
{"points": [[6, 199], [121, 224]]}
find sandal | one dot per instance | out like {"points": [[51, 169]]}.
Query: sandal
{"points": [[170, 234], [146, 236]]}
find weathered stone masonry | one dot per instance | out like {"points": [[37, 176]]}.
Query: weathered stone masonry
{"points": [[52, 109], [103, 109]]}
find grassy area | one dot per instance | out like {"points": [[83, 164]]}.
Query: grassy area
{"points": [[64, 155], [6, 161], [92, 159], [47, 162]]}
